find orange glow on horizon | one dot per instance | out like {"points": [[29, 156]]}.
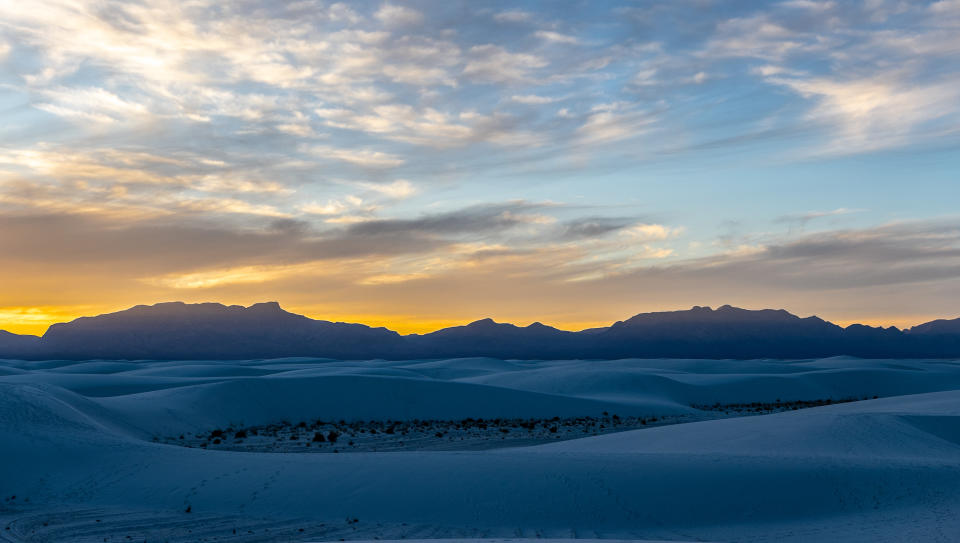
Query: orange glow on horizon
{"points": [[408, 325], [36, 320]]}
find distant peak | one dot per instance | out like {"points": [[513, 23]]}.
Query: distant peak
{"points": [[4, 333], [264, 307], [161, 305], [703, 314], [483, 322]]}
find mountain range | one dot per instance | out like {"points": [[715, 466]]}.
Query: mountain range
{"points": [[212, 331]]}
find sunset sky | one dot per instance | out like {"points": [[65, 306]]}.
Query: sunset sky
{"points": [[422, 164]]}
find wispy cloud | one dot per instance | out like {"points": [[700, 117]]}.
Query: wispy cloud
{"points": [[361, 157], [800, 220], [876, 112], [557, 37], [513, 16], [608, 123], [393, 15], [495, 64], [533, 99]]}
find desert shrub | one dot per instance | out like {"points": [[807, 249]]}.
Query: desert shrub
{"points": [[318, 437], [241, 434], [332, 436]]}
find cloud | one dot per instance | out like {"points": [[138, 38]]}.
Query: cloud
{"points": [[945, 7], [332, 207], [229, 205], [608, 123], [897, 253], [811, 5], [210, 256], [875, 112], [192, 242], [367, 158], [340, 11], [398, 189], [590, 227], [839, 272], [404, 123], [556, 37], [228, 276], [494, 64], [513, 16], [349, 206], [756, 36], [800, 220], [90, 104], [161, 246], [645, 232], [394, 15], [532, 99], [479, 219], [431, 128]]}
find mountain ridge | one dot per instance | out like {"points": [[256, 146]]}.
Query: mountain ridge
{"points": [[175, 330]]}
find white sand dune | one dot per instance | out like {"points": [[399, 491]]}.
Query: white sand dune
{"points": [[876, 470], [336, 397]]}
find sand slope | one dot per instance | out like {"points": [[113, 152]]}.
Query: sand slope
{"points": [[877, 470]]}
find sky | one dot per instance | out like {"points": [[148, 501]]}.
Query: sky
{"points": [[423, 164]]}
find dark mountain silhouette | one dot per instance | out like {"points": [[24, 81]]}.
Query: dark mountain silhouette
{"points": [[17, 346], [938, 327], [499, 340], [729, 331], [217, 332], [213, 331], [936, 338]]}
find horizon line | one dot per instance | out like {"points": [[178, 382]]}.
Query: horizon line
{"points": [[441, 324]]}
